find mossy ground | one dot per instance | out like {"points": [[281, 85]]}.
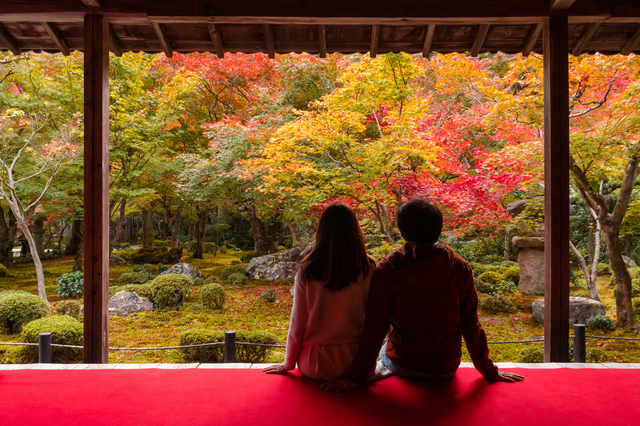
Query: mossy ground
{"points": [[246, 310]]}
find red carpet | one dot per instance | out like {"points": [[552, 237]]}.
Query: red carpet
{"points": [[250, 397]]}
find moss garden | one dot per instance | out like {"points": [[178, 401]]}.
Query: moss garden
{"points": [[504, 312]]}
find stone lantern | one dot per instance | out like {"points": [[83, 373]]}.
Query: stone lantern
{"points": [[531, 262], [38, 230]]}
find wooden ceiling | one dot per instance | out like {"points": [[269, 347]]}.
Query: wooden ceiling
{"points": [[321, 27]]}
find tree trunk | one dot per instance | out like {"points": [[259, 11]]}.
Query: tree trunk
{"points": [[294, 239], [7, 237], [257, 227], [624, 309], [26, 233], [73, 244], [200, 230], [77, 264], [61, 235], [166, 228], [121, 221], [590, 280], [276, 233], [176, 227], [147, 228]]}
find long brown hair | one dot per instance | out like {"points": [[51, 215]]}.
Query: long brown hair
{"points": [[339, 255]]}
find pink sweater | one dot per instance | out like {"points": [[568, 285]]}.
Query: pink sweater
{"points": [[322, 317]]}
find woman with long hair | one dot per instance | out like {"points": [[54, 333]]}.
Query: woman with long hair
{"points": [[330, 295]]}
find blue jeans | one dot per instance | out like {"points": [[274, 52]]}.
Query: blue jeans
{"points": [[410, 374]]}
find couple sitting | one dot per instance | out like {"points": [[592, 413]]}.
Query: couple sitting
{"points": [[344, 305]]}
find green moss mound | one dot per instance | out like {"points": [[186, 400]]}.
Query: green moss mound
{"points": [[134, 278], [170, 291], [497, 304], [64, 330], [233, 269], [213, 296], [18, 309], [3, 270], [237, 279]]}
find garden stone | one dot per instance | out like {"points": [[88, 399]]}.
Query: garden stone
{"points": [[580, 309], [125, 303], [629, 262], [185, 269], [531, 262], [116, 261], [279, 265]]}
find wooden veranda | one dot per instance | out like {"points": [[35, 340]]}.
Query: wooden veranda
{"points": [[554, 28]]}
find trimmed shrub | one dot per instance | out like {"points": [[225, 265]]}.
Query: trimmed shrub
{"points": [[17, 310], [202, 353], [198, 282], [512, 274], [497, 304], [10, 292], [68, 307], [64, 330], [148, 268], [531, 354], [71, 284], [602, 322], [210, 248], [497, 268], [222, 250], [509, 264], [233, 269], [121, 246], [235, 262], [212, 279], [212, 296], [254, 354], [162, 267], [237, 279], [494, 289], [3, 270], [246, 258], [491, 277], [134, 278], [170, 291]]}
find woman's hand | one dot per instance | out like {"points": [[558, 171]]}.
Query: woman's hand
{"points": [[504, 376], [276, 369]]}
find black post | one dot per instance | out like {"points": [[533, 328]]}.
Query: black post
{"points": [[229, 346], [44, 348], [579, 343]]}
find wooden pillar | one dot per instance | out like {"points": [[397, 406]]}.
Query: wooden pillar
{"points": [[556, 195], [96, 189]]}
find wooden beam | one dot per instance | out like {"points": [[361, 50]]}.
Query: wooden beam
{"points": [[631, 44], [114, 42], [217, 40], [268, 38], [375, 37], [322, 40], [532, 39], [164, 41], [556, 194], [428, 40], [96, 190], [91, 3], [560, 4], [585, 38], [479, 41], [8, 41], [57, 38]]}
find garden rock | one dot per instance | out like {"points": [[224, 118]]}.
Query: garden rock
{"points": [[629, 262], [280, 265], [580, 308], [116, 261], [125, 303], [185, 269], [531, 262]]}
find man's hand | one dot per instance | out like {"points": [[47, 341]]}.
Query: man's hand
{"points": [[503, 376], [342, 384], [275, 369]]}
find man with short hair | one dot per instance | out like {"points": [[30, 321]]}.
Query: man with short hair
{"points": [[426, 292]]}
